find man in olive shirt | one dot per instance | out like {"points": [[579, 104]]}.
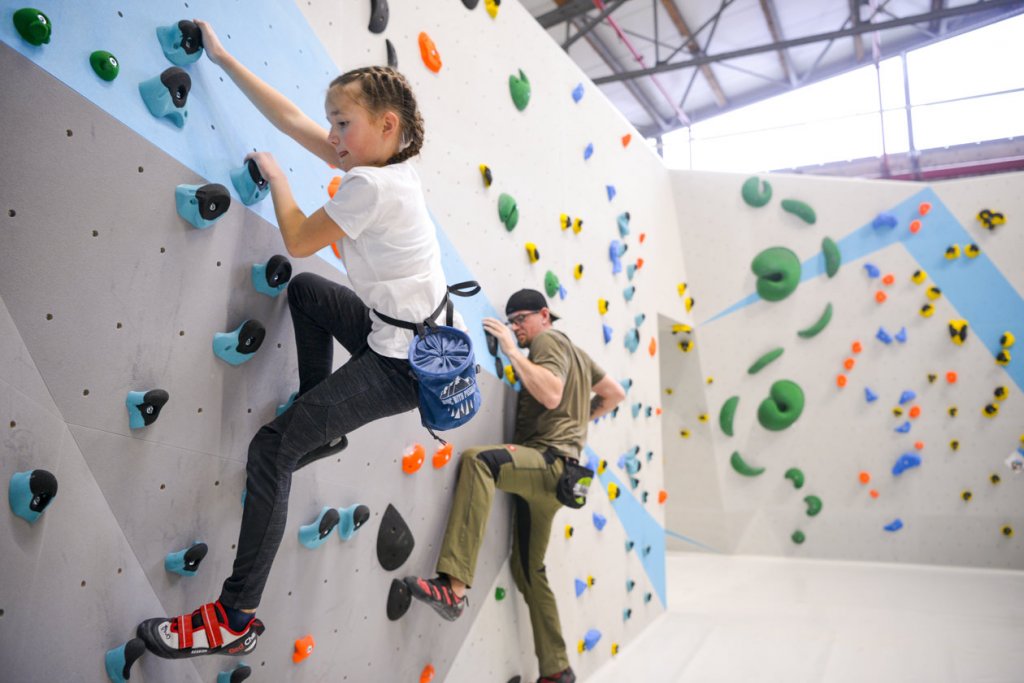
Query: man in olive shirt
{"points": [[553, 410]]}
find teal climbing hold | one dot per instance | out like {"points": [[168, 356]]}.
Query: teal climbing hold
{"points": [[144, 407], [272, 277], [239, 345], [30, 493], [249, 183], [202, 205], [166, 95], [351, 519], [186, 562], [182, 43], [119, 661], [314, 534]]}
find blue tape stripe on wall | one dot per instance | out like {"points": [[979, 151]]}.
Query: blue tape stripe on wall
{"points": [[976, 288], [640, 528], [273, 40]]}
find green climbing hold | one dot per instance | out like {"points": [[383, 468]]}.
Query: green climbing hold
{"points": [[783, 406], [798, 537], [800, 209], [104, 64], [508, 211], [778, 273], [33, 26], [756, 192], [726, 415], [832, 257], [551, 284], [813, 505], [795, 476], [742, 467], [520, 89], [764, 360], [817, 327], [499, 593]]}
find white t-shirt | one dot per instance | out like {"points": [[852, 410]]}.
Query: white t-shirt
{"points": [[390, 250]]}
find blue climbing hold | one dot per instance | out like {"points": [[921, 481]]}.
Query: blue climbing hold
{"points": [[144, 407], [639, 319], [239, 345], [623, 222], [562, 292], [182, 43], [30, 493], [577, 92], [186, 562], [884, 221], [249, 183], [907, 396], [650, 454], [632, 340], [615, 251], [351, 519], [627, 384], [630, 585], [236, 675], [588, 151], [608, 332], [903, 428], [599, 520], [580, 585], [314, 535], [631, 271], [202, 205], [894, 525], [166, 95], [901, 336], [883, 336], [119, 660], [610, 189], [869, 395], [633, 483], [272, 277], [591, 638], [635, 409], [628, 292], [626, 614], [629, 546], [872, 270], [905, 462]]}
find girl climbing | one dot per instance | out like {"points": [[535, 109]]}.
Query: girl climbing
{"points": [[387, 243]]}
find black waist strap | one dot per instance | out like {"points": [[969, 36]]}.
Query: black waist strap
{"points": [[467, 288]]}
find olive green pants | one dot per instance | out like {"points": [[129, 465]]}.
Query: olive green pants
{"points": [[530, 477]]}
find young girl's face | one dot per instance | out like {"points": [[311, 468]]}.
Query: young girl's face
{"points": [[359, 137]]}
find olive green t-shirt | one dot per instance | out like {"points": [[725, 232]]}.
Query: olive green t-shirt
{"points": [[564, 428]]}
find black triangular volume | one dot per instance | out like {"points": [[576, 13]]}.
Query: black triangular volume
{"points": [[394, 540], [399, 599]]}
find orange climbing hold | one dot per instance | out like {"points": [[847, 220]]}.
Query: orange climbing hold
{"points": [[429, 53], [427, 675], [865, 477], [841, 381], [849, 363], [880, 297], [332, 187], [642, 237], [662, 496], [303, 648], [919, 445], [657, 411], [873, 493], [413, 458], [924, 207], [639, 263], [626, 139], [337, 252], [652, 347], [915, 411], [915, 226], [951, 377], [889, 279], [857, 347], [442, 455]]}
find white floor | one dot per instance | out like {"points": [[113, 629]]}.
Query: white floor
{"points": [[756, 619]]}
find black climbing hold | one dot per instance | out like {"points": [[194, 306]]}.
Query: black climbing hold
{"points": [[213, 200], [238, 346], [195, 555], [471, 4], [279, 270], [328, 522], [119, 660], [399, 599], [178, 84], [191, 37], [394, 540], [378, 15], [254, 173], [240, 674], [144, 408], [31, 492], [392, 55], [514, 679]]}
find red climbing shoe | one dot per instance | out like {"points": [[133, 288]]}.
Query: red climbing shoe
{"points": [[566, 676], [204, 632], [438, 594]]}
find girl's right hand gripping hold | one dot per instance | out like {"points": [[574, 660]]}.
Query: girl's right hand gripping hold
{"points": [[211, 43]]}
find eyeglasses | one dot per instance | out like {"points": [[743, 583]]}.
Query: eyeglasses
{"points": [[518, 320]]}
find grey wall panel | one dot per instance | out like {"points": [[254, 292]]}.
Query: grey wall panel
{"points": [[17, 369]]}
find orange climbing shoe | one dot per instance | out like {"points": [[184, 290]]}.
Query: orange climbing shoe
{"points": [[204, 632], [566, 676], [438, 594]]}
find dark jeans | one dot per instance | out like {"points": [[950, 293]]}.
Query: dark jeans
{"points": [[329, 405]]}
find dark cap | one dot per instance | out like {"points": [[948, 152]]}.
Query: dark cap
{"points": [[528, 300]]}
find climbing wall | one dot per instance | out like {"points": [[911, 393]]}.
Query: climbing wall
{"points": [[906, 440], [106, 290]]}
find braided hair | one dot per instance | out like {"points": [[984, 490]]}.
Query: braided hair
{"points": [[383, 88]]}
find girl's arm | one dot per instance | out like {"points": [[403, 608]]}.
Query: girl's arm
{"points": [[278, 109]]}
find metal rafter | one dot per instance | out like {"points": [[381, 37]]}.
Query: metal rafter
{"points": [[859, 29], [677, 18], [858, 42], [565, 12], [771, 17], [589, 26]]}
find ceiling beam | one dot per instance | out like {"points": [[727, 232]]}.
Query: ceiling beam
{"points": [[565, 12], [771, 17], [934, 26], [698, 60], [858, 42], [691, 44], [589, 26]]}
